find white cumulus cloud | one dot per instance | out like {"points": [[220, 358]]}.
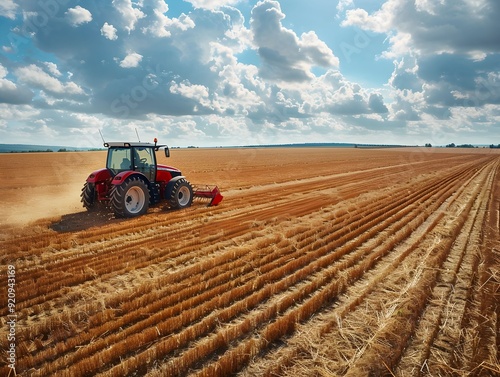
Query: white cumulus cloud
{"points": [[8, 9], [132, 60], [285, 56], [34, 75], [460, 26], [160, 25], [10, 92], [52, 68], [198, 93], [212, 4], [130, 14], [78, 15], [109, 31]]}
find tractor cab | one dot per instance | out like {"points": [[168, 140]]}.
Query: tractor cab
{"points": [[127, 156], [140, 157]]}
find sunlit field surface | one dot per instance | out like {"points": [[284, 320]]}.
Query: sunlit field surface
{"points": [[318, 262]]}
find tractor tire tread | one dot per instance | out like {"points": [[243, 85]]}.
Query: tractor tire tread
{"points": [[88, 196], [172, 195], [117, 197]]}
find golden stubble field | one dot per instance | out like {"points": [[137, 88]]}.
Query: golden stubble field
{"points": [[319, 262]]}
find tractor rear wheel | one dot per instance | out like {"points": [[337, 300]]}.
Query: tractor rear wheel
{"points": [[131, 198], [88, 196], [179, 194]]}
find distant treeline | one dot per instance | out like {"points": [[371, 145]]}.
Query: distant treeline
{"points": [[452, 145], [301, 145], [50, 150], [326, 145], [382, 146], [29, 148]]}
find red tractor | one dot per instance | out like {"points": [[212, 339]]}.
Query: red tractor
{"points": [[133, 180]]}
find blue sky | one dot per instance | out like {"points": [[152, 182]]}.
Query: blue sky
{"points": [[229, 72]]}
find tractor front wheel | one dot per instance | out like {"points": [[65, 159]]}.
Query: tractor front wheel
{"points": [[131, 198], [179, 194]]}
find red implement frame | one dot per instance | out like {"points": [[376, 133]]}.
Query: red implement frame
{"points": [[208, 192]]}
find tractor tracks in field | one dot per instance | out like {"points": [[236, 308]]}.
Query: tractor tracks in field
{"points": [[180, 292]]}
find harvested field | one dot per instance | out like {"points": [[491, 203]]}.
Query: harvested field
{"points": [[319, 262]]}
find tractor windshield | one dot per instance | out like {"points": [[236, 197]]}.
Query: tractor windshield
{"points": [[119, 159]]}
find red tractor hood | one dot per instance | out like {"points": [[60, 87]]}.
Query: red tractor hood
{"points": [[160, 167], [165, 173]]}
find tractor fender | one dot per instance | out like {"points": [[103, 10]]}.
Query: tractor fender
{"points": [[122, 177], [99, 176]]}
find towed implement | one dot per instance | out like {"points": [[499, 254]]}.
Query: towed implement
{"points": [[132, 181]]}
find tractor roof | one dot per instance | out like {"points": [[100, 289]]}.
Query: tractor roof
{"points": [[126, 144]]}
